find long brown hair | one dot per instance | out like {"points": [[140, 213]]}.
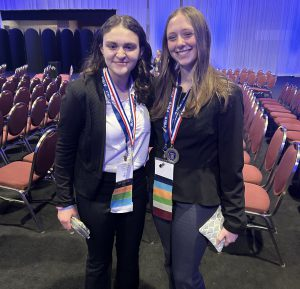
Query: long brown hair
{"points": [[207, 82], [141, 73]]}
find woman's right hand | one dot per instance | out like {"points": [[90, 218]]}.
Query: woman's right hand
{"points": [[64, 216]]}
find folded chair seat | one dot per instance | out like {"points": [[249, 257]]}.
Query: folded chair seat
{"points": [[293, 135], [247, 158], [282, 120], [16, 174], [256, 199], [276, 108], [28, 158], [269, 101], [252, 174], [292, 126], [276, 114]]}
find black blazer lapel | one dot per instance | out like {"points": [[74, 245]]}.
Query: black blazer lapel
{"points": [[97, 117]]}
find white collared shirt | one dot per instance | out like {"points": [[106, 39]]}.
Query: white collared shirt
{"points": [[115, 147]]}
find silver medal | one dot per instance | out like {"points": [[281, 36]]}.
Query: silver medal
{"points": [[172, 155]]}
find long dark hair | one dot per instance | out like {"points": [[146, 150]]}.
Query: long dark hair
{"points": [[141, 73], [206, 80]]}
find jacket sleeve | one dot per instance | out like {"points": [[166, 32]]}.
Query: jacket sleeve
{"points": [[231, 163], [69, 129]]}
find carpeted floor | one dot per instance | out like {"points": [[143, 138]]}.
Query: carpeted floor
{"points": [[56, 259]]}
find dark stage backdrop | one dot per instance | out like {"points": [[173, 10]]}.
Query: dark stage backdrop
{"points": [[85, 17], [40, 48]]}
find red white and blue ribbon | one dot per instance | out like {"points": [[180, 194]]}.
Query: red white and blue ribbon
{"points": [[128, 125], [173, 116]]}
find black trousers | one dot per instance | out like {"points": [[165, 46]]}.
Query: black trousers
{"points": [[183, 245], [105, 227]]}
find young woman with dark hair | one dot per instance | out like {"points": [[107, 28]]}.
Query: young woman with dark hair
{"points": [[102, 147]]}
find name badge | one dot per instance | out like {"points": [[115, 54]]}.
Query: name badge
{"points": [[124, 171], [121, 200], [162, 189]]}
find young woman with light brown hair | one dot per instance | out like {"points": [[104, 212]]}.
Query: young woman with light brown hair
{"points": [[197, 123]]}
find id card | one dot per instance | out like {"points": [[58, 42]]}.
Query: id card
{"points": [[121, 200], [124, 172], [162, 189]]}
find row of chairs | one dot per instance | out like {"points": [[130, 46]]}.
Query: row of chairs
{"points": [[23, 94], [20, 176], [22, 124], [266, 183], [36, 116], [25, 113], [21, 79], [14, 83], [261, 82], [276, 115], [50, 71], [285, 111], [38, 103], [20, 71], [255, 126]]}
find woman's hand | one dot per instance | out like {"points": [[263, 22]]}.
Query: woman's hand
{"points": [[64, 216], [227, 236]]}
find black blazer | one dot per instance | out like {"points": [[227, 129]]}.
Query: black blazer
{"points": [[209, 171], [81, 140]]}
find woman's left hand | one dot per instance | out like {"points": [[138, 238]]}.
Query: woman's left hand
{"points": [[227, 236]]}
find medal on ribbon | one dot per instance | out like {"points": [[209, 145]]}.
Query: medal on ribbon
{"points": [[164, 168], [121, 201], [172, 123]]}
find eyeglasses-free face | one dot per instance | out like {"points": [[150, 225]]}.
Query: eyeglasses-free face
{"points": [[181, 41], [121, 51]]}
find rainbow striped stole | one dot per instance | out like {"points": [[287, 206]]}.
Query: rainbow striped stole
{"points": [[162, 197], [121, 200]]}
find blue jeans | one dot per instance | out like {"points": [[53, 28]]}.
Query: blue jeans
{"points": [[183, 245]]}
